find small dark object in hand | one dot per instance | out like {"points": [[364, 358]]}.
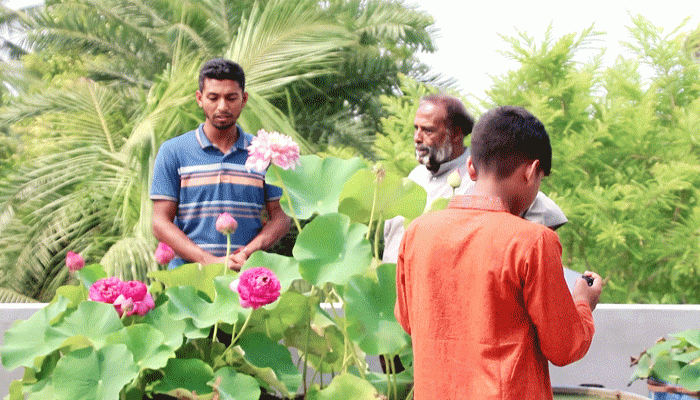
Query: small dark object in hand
{"points": [[588, 279]]}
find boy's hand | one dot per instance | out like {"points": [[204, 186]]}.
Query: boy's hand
{"points": [[590, 294]]}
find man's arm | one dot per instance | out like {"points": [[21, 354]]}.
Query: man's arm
{"points": [[274, 229], [166, 231]]}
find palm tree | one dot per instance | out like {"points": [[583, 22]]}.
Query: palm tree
{"points": [[92, 140]]}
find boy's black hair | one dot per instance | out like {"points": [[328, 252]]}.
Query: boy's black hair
{"points": [[506, 137], [456, 116], [221, 69]]}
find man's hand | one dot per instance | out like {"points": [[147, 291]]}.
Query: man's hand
{"points": [[590, 294], [237, 259]]}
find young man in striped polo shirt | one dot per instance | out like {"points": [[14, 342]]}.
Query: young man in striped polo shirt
{"points": [[201, 174]]}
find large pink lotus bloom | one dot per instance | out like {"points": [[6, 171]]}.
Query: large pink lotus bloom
{"points": [[273, 147], [106, 290], [164, 253], [130, 297], [136, 290], [74, 261], [226, 224], [257, 287]]}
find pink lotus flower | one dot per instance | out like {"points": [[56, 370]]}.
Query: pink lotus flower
{"points": [[106, 290], [257, 287], [130, 297], [226, 224], [164, 254], [74, 261], [273, 147]]}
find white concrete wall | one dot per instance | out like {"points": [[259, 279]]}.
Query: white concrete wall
{"points": [[9, 313], [622, 330]]}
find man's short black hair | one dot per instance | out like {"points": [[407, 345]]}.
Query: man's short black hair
{"points": [[221, 69], [456, 117], [506, 137]]}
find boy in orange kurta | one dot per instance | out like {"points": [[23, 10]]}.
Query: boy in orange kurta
{"points": [[481, 290]]}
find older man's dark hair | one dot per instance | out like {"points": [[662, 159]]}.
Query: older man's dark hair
{"points": [[457, 118], [221, 69], [506, 137]]}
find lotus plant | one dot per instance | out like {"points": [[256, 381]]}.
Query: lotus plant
{"points": [[329, 304]]}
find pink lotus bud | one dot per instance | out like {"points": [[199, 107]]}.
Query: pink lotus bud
{"points": [[74, 261], [124, 305], [226, 224], [257, 287], [164, 254]]}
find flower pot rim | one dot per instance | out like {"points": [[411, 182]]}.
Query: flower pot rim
{"points": [[656, 385]]}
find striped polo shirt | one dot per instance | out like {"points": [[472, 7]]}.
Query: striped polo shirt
{"points": [[194, 173]]}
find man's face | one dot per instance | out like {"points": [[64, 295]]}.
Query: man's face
{"points": [[432, 138], [222, 102]]}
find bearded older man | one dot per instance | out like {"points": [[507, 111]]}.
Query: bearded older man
{"points": [[441, 124]]}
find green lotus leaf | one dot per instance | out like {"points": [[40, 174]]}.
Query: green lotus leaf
{"points": [[286, 268], [324, 347], [438, 204], [370, 312], [292, 309], [171, 329], [193, 332], [91, 274], [93, 320], [691, 336], [36, 382], [690, 377], [185, 375], [205, 350], [199, 276], [91, 374], [76, 294], [186, 302], [666, 369], [34, 337], [272, 362], [235, 386], [395, 196], [343, 387], [643, 368], [146, 344], [332, 249], [306, 184]]}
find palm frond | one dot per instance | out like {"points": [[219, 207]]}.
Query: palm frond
{"points": [[284, 42], [10, 296]]}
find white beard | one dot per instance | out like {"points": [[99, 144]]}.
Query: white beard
{"points": [[435, 155]]}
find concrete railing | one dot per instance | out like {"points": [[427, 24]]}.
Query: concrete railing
{"points": [[622, 331]]}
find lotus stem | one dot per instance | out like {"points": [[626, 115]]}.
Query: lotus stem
{"points": [[289, 199], [374, 206]]}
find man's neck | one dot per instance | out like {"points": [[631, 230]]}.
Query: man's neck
{"points": [[221, 139]]}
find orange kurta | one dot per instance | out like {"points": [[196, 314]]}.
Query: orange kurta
{"points": [[483, 296]]}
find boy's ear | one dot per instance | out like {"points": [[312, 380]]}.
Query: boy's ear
{"points": [[532, 170], [471, 169]]}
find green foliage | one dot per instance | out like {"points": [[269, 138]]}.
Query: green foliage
{"points": [[625, 166]]}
